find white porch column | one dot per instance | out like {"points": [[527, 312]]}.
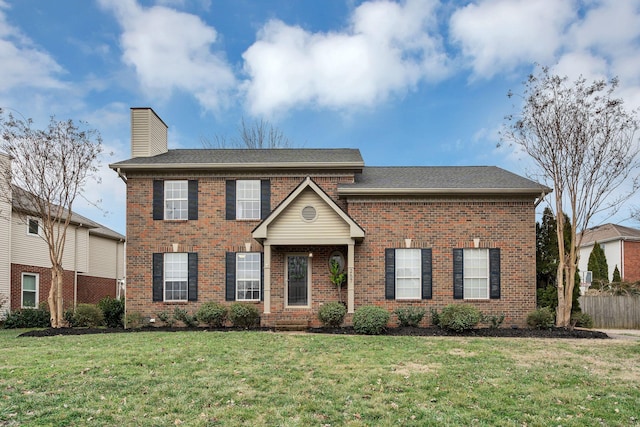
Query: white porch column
{"points": [[350, 279], [267, 279]]}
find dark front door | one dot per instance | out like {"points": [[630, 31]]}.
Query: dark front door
{"points": [[297, 276]]}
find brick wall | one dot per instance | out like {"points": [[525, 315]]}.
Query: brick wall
{"points": [[93, 289], [44, 284], [439, 224], [631, 261]]}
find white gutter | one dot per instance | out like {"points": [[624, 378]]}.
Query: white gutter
{"points": [[394, 191], [224, 166]]}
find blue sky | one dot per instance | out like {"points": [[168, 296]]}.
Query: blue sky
{"points": [[416, 82]]}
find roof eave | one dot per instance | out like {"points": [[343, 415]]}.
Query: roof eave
{"points": [[433, 191], [226, 166]]}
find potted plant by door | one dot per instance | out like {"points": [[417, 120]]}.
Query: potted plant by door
{"points": [[337, 276]]}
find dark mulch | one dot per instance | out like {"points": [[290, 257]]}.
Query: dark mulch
{"points": [[404, 331]]}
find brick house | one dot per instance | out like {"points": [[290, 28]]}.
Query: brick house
{"points": [[261, 226], [93, 259], [621, 246]]}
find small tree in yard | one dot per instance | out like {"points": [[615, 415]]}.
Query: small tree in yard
{"points": [[49, 169], [583, 141], [598, 264], [616, 275]]}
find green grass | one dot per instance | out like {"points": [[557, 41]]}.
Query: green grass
{"points": [[260, 378]]}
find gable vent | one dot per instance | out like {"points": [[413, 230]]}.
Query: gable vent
{"points": [[309, 213]]}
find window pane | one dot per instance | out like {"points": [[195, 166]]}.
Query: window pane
{"points": [[176, 200], [248, 199], [33, 226], [248, 276], [175, 277], [408, 274], [476, 273]]}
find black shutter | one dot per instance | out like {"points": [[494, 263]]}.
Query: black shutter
{"points": [[494, 273], [230, 288], [192, 263], [426, 274], [390, 273], [158, 199], [231, 200], [265, 198], [458, 274], [261, 276], [193, 199], [158, 276]]}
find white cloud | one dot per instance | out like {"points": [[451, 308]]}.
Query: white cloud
{"points": [[23, 63], [387, 49], [498, 35], [172, 50]]}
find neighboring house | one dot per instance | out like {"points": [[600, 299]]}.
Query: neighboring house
{"points": [[261, 226], [93, 259], [621, 247]]}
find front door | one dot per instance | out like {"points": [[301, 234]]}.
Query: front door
{"points": [[297, 280]]}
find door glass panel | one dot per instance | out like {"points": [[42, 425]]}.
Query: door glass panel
{"points": [[297, 268]]}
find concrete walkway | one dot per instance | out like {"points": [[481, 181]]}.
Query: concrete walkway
{"points": [[622, 334]]}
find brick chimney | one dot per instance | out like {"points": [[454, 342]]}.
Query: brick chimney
{"points": [[148, 133]]}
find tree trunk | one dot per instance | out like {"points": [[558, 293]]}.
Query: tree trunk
{"points": [[55, 297]]}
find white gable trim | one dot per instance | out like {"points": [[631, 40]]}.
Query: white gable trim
{"points": [[260, 233]]}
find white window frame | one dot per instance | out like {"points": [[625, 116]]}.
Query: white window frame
{"points": [[408, 274], [37, 220], [248, 272], [176, 271], [248, 194], [476, 274], [37, 289], [181, 200]]}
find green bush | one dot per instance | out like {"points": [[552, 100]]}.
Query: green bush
{"points": [[435, 317], [332, 314], [213, 314], [581, 320], [166, 318], [113, 311], [189, 320], [87, 316], [370, 320], [133, 320], [410, 316], [244, 315], [493, 320], [28, 318], [459, 317], [542, 318]]}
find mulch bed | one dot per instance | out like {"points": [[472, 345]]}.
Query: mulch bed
{"points": [[404, 331]]}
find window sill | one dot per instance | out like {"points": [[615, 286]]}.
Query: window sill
{"points": [[176, 220], [176, 302]]}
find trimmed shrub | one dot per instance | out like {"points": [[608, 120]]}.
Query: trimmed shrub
{"points": [[581, 320], [370, 320], [113, 311], [435, 317], [542, 318], [410, 316], [87, 316], [332, 314], [28, 318], [166, 318], [493, 320], [244, 315], [212, 313], [182, 315], [459, 317], [133, 320]]}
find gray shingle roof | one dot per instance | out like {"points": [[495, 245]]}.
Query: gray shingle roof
{"points": [[609, 232], [439, 179], [243, 158]]}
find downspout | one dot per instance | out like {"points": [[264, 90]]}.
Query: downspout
{"points": [[621, 259], [537, 202], [75, 269], [122, 176]]}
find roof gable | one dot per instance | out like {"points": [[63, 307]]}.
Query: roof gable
{"points": [[607, 233], [351, 229]]}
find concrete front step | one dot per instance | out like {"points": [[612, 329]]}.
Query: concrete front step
{"points": [[292, 325]]}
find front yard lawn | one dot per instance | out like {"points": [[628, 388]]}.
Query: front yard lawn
{"points": [[265, 378]]}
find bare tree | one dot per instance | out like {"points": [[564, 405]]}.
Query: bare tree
{"points": [[583, 142], [259, 134], [49, 168]]}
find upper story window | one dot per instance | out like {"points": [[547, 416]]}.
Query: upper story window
{"points": [[33, 227], [248, 199], [176, 199]]}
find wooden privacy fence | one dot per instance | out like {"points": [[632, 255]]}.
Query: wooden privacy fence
{"points": [[612, 311]]}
